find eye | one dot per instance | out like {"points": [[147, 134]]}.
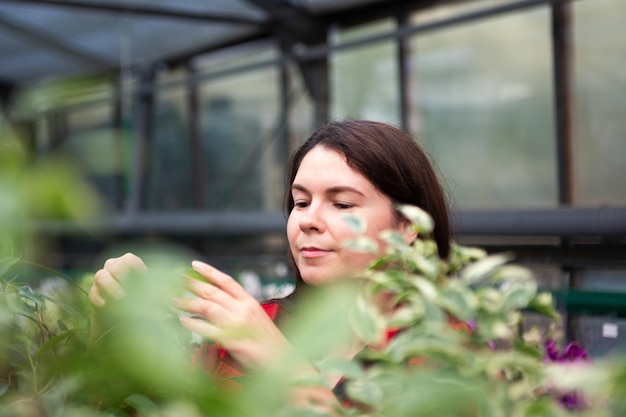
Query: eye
{"points": [[344, 206], [300, 204]]}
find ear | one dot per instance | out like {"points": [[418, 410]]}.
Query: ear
{"points": [[408, 232]]}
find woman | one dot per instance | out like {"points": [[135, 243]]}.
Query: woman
{"points": [[357, 167]]}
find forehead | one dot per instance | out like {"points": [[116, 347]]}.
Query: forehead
{"points": [[322, 166], [321, 159]]}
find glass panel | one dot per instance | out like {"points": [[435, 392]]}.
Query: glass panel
{"points": [[446, 11], [93, 143], [600, 336], [601, 280], [484, 98], [599, 122], [241, 136], [170, 185], [364, 80], [235, 57], [301, 109]]}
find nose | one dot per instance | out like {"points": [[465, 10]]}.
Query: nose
{"points": [[312, 220]]}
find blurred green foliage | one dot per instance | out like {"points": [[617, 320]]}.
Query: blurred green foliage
{"points": [[139, 362]]}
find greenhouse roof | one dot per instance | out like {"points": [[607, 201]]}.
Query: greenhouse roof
{"points": [[43, 39]]}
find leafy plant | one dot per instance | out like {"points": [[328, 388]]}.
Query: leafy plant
{"points": [[461, 348]]}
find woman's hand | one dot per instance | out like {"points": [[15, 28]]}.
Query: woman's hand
{"points": [[227, 314], [107, 283]]}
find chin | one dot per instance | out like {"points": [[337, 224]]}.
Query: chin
{"points": [[318, 278], [315, 278]]}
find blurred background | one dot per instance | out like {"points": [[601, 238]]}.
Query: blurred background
{"points": [[182, 114]]}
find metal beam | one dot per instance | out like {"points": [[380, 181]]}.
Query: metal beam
{"points": [[403, 45], [142, 143], [294, 27], [6, 91], [564, 222], [291, 23], [169, 13], [190, 223], [563, 78], [49, 40], [313, 53]]}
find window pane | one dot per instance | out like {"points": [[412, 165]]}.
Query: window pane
{"points": [[436, 13], [241, 138], [364, 80], [483, 94], [96, 147], [235, 57], [600, 125], [301, 109], [170, 185]]}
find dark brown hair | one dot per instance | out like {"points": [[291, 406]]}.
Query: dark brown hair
{"points": [[391, 160]]}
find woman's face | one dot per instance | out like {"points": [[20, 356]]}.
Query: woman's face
{"points": [[324, 190]]}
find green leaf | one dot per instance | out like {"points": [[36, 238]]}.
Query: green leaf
{"points": [[7, 263], [55, 340], [421, 220], [357, 224], [518, 295], [494, 328], [543, 303], [425, 287], [459, 301], [480, 270], [465, 254], [517, 284], [365, 392], [395, 239], [366, 320], [339, 366], [408, 314], [433, 313], [141, 403], [428, 267], [361, 244], [26, 292], [64, 306], [489, 299], [527, 349]]}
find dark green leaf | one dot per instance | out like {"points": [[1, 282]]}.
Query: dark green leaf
{"points": [[26, 292], [56, 340]]}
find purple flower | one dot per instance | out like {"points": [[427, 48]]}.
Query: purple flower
{"points": [[572, 353]]}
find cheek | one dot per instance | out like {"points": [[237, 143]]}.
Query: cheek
{"points": [[292, 229], [377, 225]]}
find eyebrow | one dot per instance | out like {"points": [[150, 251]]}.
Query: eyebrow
{"points": [[330, 191]]}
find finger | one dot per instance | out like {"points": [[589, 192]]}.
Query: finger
{"points": [[119, 267], [221, 280], [207, 291], [106, 283], [203, 308], [95, 298], [202, 327]]}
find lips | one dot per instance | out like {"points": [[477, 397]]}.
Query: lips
{"points": [[312, 252]]}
